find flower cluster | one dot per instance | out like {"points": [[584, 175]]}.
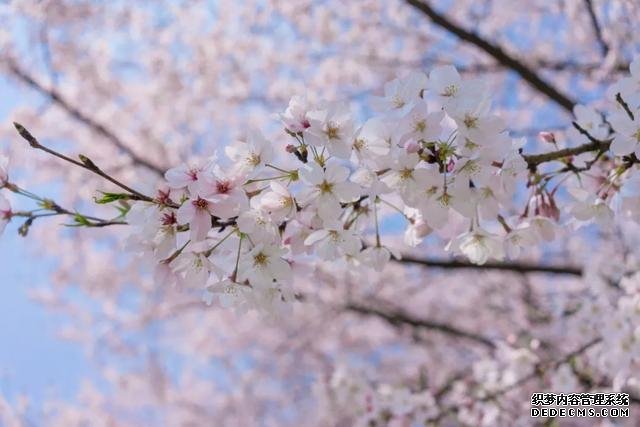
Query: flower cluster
{"points": [[433, 150], [239, 226]]}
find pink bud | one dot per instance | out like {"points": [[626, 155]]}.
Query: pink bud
{"points": [[412, 147], [290, 148], [548, 137], [451, 165]]}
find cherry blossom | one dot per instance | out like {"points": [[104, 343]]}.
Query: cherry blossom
{"points": [[197, 213], [263, 266], [402, 93], [252, 154], [278, 202], [187, 175], [295, 116], [588, 207], [224, 193], [627, 139], [478, 245], [257, 224], [331, 128], [328, 188], [371, 139], [333, 242], [421, 125]]}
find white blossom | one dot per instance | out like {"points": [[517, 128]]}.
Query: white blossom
{"points": [[251, 155], [478, 245], [331, 128], [332, 242], [263, 265], [328, 187]]}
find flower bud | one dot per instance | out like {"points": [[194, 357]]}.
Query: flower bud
{"points": [[450, 166], [547, 137]]}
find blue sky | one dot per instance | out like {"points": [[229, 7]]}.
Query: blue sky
{"points": [[33, 360]]}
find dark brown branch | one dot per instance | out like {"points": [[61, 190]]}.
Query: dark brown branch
{"points": [[497, 53], [81, 117], [534, 160], [550, 65], [625, 106], [596, 27], [594, 144], [399, 318], [517, 267], [84, 163]]}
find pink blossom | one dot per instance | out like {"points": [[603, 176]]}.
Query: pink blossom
{"points": [[197, 213]]}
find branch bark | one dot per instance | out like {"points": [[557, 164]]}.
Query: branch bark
{"points": [[81, 117], [496, 52], [84, 163], [400, 318], [597, 29], [516, 267], [534, 160]]}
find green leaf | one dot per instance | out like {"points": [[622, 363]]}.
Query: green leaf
{"points": [[81, 220], [110, 198]]}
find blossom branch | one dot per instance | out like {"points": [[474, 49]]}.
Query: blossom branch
{"points": [[496, 52]]}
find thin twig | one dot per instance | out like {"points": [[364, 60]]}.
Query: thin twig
{"points": [[400, 318], [604, 47], [84, 163], [518, 267], [625, 106]]}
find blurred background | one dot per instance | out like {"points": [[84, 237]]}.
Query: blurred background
{"points": [[140, 86]]}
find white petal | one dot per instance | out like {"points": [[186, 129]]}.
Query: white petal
{"points": [[315, 237], [347, 191], [312, 174], [622, 145], [336, 173]]}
